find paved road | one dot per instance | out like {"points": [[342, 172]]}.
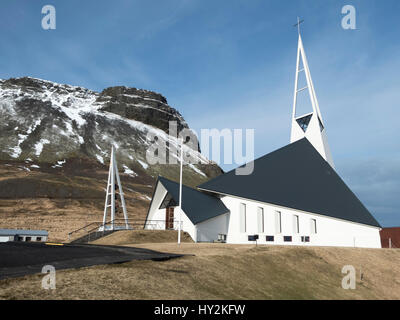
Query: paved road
{"points": [[22, 258]]}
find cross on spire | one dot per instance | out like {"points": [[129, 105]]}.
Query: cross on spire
{"points": [[298, 24]]}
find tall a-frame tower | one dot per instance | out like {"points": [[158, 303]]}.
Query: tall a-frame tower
{"points": [[309, 125], [111, 196]]}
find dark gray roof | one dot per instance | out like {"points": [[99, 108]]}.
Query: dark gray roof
{"points": [[14, 232], [295, 176], [197, 205]]}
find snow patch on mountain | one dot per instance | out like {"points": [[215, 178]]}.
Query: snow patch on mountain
{"points": [[129, 171], [100, 159], [59, 164], [143, 164], [39, 146]]}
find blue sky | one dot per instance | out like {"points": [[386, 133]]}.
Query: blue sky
{"points": [[230, 64]]}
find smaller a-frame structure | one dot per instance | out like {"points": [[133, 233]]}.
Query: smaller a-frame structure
{"points": [[114, 184], [309, 125]]}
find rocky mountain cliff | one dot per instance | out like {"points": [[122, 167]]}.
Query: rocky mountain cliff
{"points": [[55, 143], [48, 122]]}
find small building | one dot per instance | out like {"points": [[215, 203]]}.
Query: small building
{"points": [[390, 237], [23, 235], [204, 216]]}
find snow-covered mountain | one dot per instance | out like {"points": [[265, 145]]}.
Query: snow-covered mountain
{"points": [[48, 123]]}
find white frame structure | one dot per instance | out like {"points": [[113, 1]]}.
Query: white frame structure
{"points": [[110, 192], [314, 128]]}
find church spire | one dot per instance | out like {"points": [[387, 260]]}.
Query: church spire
{"points": [[309, 125]]}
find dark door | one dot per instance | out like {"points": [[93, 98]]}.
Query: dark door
{"points": [[169, 218]]}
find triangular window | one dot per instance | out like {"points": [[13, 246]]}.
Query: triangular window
{"points": [[168, 202], [304, 122]]}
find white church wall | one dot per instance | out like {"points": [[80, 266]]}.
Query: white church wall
{"points": [[330, 231], [187, 225], [156, 217], [208, 231]]}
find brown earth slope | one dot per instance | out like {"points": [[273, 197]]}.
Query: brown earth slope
{"points": [[219, 271]]}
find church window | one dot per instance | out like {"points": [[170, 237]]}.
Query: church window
{"points": [[242, 214], [278, 222], [260, 219], [296, 227], [304, 122], [313, 226]]}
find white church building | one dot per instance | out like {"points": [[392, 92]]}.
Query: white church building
{"points": [[293, 197]]}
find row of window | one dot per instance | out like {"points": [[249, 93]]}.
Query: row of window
{"points": [[286, 238], [28, 239], [278, 221]]}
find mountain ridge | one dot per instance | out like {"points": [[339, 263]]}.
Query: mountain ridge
{"points": [[39, 116]]}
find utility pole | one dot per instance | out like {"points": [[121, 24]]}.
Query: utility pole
{"points": [[180, 195]]}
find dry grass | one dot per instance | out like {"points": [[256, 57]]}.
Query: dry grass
{"points": [[220, 271], [59, 216], [128, 237]]}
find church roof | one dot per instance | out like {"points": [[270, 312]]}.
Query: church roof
{"points": [[295, 176], [197, 205]]}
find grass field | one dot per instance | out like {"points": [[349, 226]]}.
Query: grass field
{"points": [[127, 237], [222, 271]]}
